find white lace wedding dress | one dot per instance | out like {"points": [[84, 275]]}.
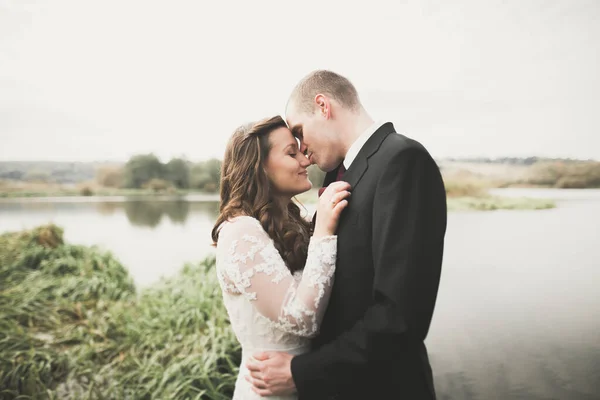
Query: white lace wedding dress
{"points": [[269, 308]]}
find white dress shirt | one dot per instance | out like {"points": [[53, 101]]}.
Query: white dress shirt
{"points": [[360, 142]]}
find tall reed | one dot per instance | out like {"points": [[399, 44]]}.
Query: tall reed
{"points": [[73, 327]]}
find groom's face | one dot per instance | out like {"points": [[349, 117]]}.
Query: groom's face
{"points": [[313, 133]]}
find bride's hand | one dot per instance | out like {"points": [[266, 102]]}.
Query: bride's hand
{"points": [[331, 203]]}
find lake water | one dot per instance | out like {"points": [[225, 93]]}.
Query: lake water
{"points": [[518, 312], [152, 238]]}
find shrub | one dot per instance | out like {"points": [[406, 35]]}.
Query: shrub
{"points": [[72, 326]]}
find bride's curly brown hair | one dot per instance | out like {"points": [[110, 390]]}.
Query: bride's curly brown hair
{"points": [[245, 190]]}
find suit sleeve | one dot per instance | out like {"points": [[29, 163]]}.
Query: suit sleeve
{"points": [[409, 218]]}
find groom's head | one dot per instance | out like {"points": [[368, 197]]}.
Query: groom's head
{"points": [[317, 113]]}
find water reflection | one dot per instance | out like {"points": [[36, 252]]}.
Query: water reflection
{"points": [[149, 213], [152, 237], [139, 212]]}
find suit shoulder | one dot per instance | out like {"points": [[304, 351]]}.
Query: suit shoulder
{"points": [[396, 144]]}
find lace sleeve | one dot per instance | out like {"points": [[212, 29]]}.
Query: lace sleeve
{"points": [[254, 268]]}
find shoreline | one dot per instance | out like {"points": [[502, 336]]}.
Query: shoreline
{"points": [[24, 194], [487, 202], [484, 202], [116, 198]]}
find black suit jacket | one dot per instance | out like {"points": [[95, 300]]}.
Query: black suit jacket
{"points": [[389, 257]]}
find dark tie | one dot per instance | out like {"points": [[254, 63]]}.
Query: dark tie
{"points": [[340, 174]]}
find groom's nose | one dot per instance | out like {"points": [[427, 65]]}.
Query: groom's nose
{"points": [[303, 148]]}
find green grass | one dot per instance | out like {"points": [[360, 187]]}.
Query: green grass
{"points": [[72, 326]]}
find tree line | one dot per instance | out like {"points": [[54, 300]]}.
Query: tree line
{"points": [[148, 172], [141, 171]]}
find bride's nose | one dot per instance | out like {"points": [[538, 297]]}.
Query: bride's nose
{"points": [[304, 161]]}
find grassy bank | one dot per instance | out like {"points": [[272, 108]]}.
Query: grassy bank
{"points": [[73, 327], [20, 190], [66, 192], [472, 194], [469, 195], [490, 203], [560, 174], [563, 175]]}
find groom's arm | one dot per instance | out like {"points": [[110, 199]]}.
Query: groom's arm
{"points": [[409, 222]]}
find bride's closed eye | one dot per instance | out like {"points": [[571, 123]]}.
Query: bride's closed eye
{"points": [[293, 150]]}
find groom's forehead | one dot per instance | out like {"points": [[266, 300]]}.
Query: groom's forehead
{"points": [[296, 130], [290, 122], [292, 118]]}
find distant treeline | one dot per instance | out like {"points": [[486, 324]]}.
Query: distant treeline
{"points": [[146, 171], [143, 171], [514, 160], [49, 171]]}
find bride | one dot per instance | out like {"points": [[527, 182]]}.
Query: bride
{"points": [[275, 274]]}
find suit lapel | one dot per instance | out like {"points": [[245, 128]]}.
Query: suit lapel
{"points": [[361, 163], [330, 177]]}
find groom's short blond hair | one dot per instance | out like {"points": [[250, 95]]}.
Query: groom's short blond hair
{"points": [[324, 82]]}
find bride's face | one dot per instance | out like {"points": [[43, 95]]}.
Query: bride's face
{"points": [[286, 165]]}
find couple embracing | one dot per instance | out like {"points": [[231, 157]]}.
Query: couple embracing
{"points": [[338, 307]]}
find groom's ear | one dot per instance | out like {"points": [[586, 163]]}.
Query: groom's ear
{"points": [[323, 106]]}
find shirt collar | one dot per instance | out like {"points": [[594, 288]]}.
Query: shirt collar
{"points": [[360, 142]]}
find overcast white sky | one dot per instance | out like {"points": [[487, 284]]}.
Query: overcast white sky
{"points": [[103, 80]]}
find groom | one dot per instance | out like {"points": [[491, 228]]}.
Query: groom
{"points": [[390, 247]]}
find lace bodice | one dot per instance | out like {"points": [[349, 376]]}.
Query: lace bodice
{"points": [[269, 308]]}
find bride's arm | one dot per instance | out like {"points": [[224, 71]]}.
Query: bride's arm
{"points": [[255, 267]]}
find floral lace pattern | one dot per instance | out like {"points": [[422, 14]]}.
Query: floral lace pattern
{"points": [[249, 265]]}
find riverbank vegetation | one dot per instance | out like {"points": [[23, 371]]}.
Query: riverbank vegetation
{"points": [[142, 174], [74, 326], [468, 181]]}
